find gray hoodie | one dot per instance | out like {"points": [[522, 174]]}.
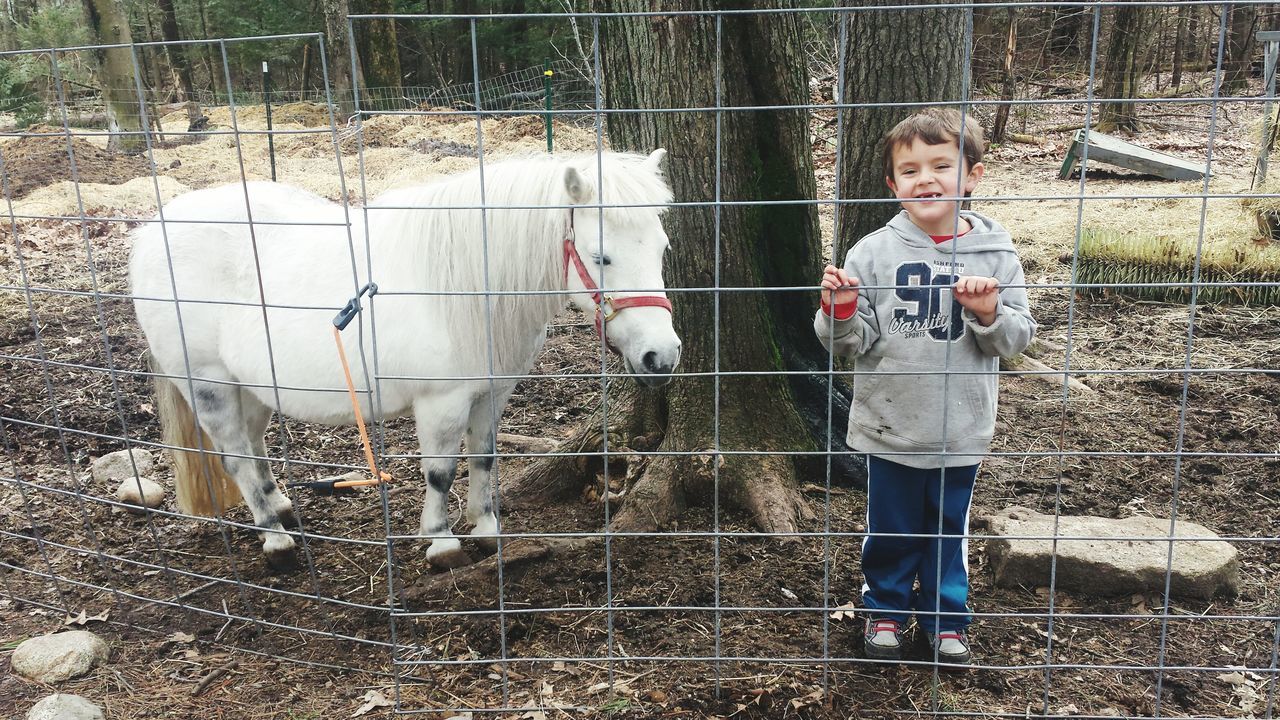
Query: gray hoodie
{"points": [[911, 342]]}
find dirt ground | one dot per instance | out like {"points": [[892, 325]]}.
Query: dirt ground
{"points": [[631, 630]]}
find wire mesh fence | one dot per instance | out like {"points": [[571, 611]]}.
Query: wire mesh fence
{"points": [[695, 549]]}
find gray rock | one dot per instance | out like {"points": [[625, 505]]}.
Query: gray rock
{"points": [[116, 466], [1111, 562], [60, 656], [151, 495], [64, 707]]}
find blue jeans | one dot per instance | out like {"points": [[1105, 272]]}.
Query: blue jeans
{"points": [[903, 501]]}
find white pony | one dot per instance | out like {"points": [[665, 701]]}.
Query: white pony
{"points": [[251, 332]]}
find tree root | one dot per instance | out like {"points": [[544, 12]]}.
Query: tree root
{"points": [[479, 579]]}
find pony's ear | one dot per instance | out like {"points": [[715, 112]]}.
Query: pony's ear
{"points": [[654, 161], [576, 186]]}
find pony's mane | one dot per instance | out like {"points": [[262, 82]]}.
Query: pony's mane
{"points": [[526, 218]]}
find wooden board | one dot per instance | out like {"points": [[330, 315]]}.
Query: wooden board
{"points": [[1114, 151]]}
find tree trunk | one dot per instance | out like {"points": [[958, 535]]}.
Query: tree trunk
{"points": [[1239, 47], [656, 62], [108, 22], [1180, 45], [1120, 76], [1001, 123], [380, 50], [338, 46], [914, 72], [180, 62]]}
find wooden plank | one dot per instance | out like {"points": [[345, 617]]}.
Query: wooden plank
{"points": [[1069, 162], [1114, 151]]}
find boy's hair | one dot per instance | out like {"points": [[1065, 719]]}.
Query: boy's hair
{"points": [[935, 126]]}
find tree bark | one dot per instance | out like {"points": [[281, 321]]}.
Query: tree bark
{"points": [[1001, 123], [179, 60], [1120, 76], [671, 61], [380, 50], [108, 22], [338, 49], [913, 72], [1180, 45], [1239, 47]]}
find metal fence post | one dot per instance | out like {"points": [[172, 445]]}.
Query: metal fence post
{"points": [[547, 72], [266, 101]]}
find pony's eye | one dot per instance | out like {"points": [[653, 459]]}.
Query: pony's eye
{"points": [[600, 259]]}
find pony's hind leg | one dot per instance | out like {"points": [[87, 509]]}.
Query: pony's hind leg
{"points": [[480, 460], [440, 420], [257, 416], [236, 424]]}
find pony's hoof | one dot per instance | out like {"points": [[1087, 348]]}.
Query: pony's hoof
{"points": [[449, 559], [282, 561]]}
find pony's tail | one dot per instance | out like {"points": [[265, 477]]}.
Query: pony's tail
{"points": [[203, 486]]}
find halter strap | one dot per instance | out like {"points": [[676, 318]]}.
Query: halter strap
{"points": [[613, 304]]}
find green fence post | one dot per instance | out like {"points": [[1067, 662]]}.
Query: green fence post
{"points": [[546, 92]]}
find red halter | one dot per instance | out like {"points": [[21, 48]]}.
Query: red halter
{"points": [[607, 306]]}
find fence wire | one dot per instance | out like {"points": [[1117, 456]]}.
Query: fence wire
{"points": [[572, 613]]}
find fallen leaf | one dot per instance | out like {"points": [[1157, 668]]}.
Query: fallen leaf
{"points": [[181, 637], [373, 699], [789, 595], [534, 715], [84, 618], [1233, 678], [846, 611]]}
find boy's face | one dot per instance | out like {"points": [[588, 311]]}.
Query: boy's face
{"points": [[921, 170]]}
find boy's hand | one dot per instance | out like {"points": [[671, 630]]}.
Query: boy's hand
{"points": [[833, 278], [980, 295]]}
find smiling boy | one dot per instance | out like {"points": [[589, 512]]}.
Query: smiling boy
{"points": [[925, 307]]}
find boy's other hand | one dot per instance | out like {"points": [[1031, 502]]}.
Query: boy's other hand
{"points": [[833, 280], [980, 295]]}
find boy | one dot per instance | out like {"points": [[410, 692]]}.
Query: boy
{"points": [[943, 301]]}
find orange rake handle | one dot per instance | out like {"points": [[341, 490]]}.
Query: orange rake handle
{"points": [[377, 477]]}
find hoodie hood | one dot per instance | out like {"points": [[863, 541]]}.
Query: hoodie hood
{"points": [[986, 235]]}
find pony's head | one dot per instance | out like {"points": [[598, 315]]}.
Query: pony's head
{"points": [[622, 248]]}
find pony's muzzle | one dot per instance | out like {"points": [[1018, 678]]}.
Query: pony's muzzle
{"points": [[656, 367]]}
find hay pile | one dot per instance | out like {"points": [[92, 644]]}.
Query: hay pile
{"points": [[398, 150], [36, 161]]}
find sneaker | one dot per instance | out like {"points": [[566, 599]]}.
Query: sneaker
{"points": [[952, 647], [883, 639]]}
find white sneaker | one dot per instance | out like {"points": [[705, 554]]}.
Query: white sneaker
{"points": [[952, 647], [883, 639]]}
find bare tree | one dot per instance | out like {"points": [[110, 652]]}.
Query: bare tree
{"points": [[109, 23], [1181, 40], [915, 72], [672, 61], [1120, 71], [380, 49], [179, 61], [1239, 46], [339, 52]]}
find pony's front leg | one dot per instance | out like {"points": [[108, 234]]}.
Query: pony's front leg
{"points": [[440, 421]]}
